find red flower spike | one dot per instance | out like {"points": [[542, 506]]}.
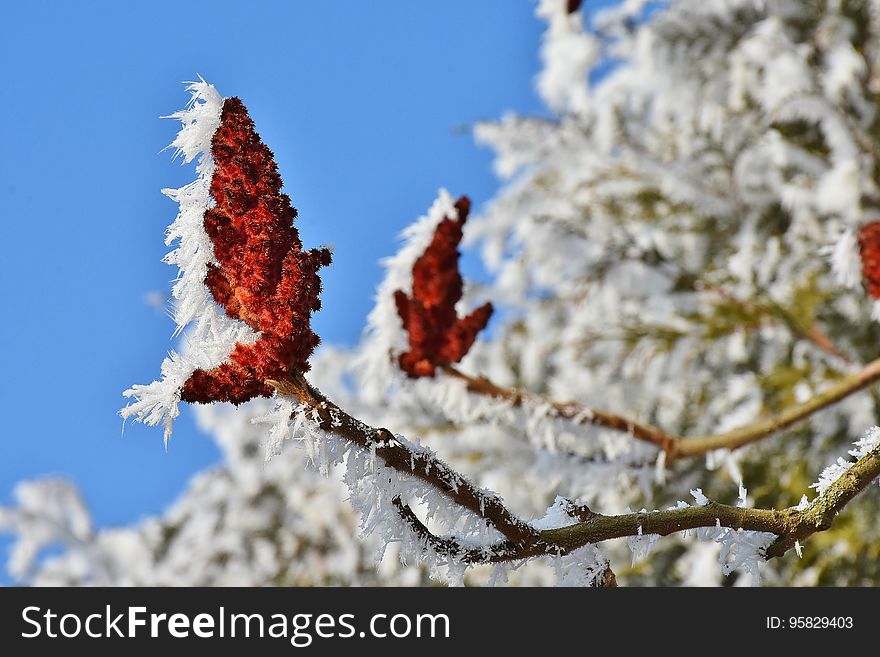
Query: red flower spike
{"points": [[437, 336], [869, 250], [263, 276]]}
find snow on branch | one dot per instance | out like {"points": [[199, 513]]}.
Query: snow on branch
{"points": [[400, 456], [773, 532]]}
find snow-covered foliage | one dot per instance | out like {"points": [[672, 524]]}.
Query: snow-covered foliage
{"points": [[676, 243]]}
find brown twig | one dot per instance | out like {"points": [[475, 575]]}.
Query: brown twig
{"points": [[681, 447], [567, 410]]}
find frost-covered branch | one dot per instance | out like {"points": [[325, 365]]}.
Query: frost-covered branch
{"points": [[789, 525], [839, 484], [500, 552], [423, 466], [568, 410], [680, 447], [523, 541]]}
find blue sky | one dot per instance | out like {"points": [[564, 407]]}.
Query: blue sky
{"points": [[361, 103]]}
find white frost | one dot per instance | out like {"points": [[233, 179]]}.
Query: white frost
{"points": [[863, 446], [214, 335]]}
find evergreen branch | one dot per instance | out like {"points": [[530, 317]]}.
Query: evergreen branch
{"points": [[764, 304], [681, 447], [811, 333]]}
